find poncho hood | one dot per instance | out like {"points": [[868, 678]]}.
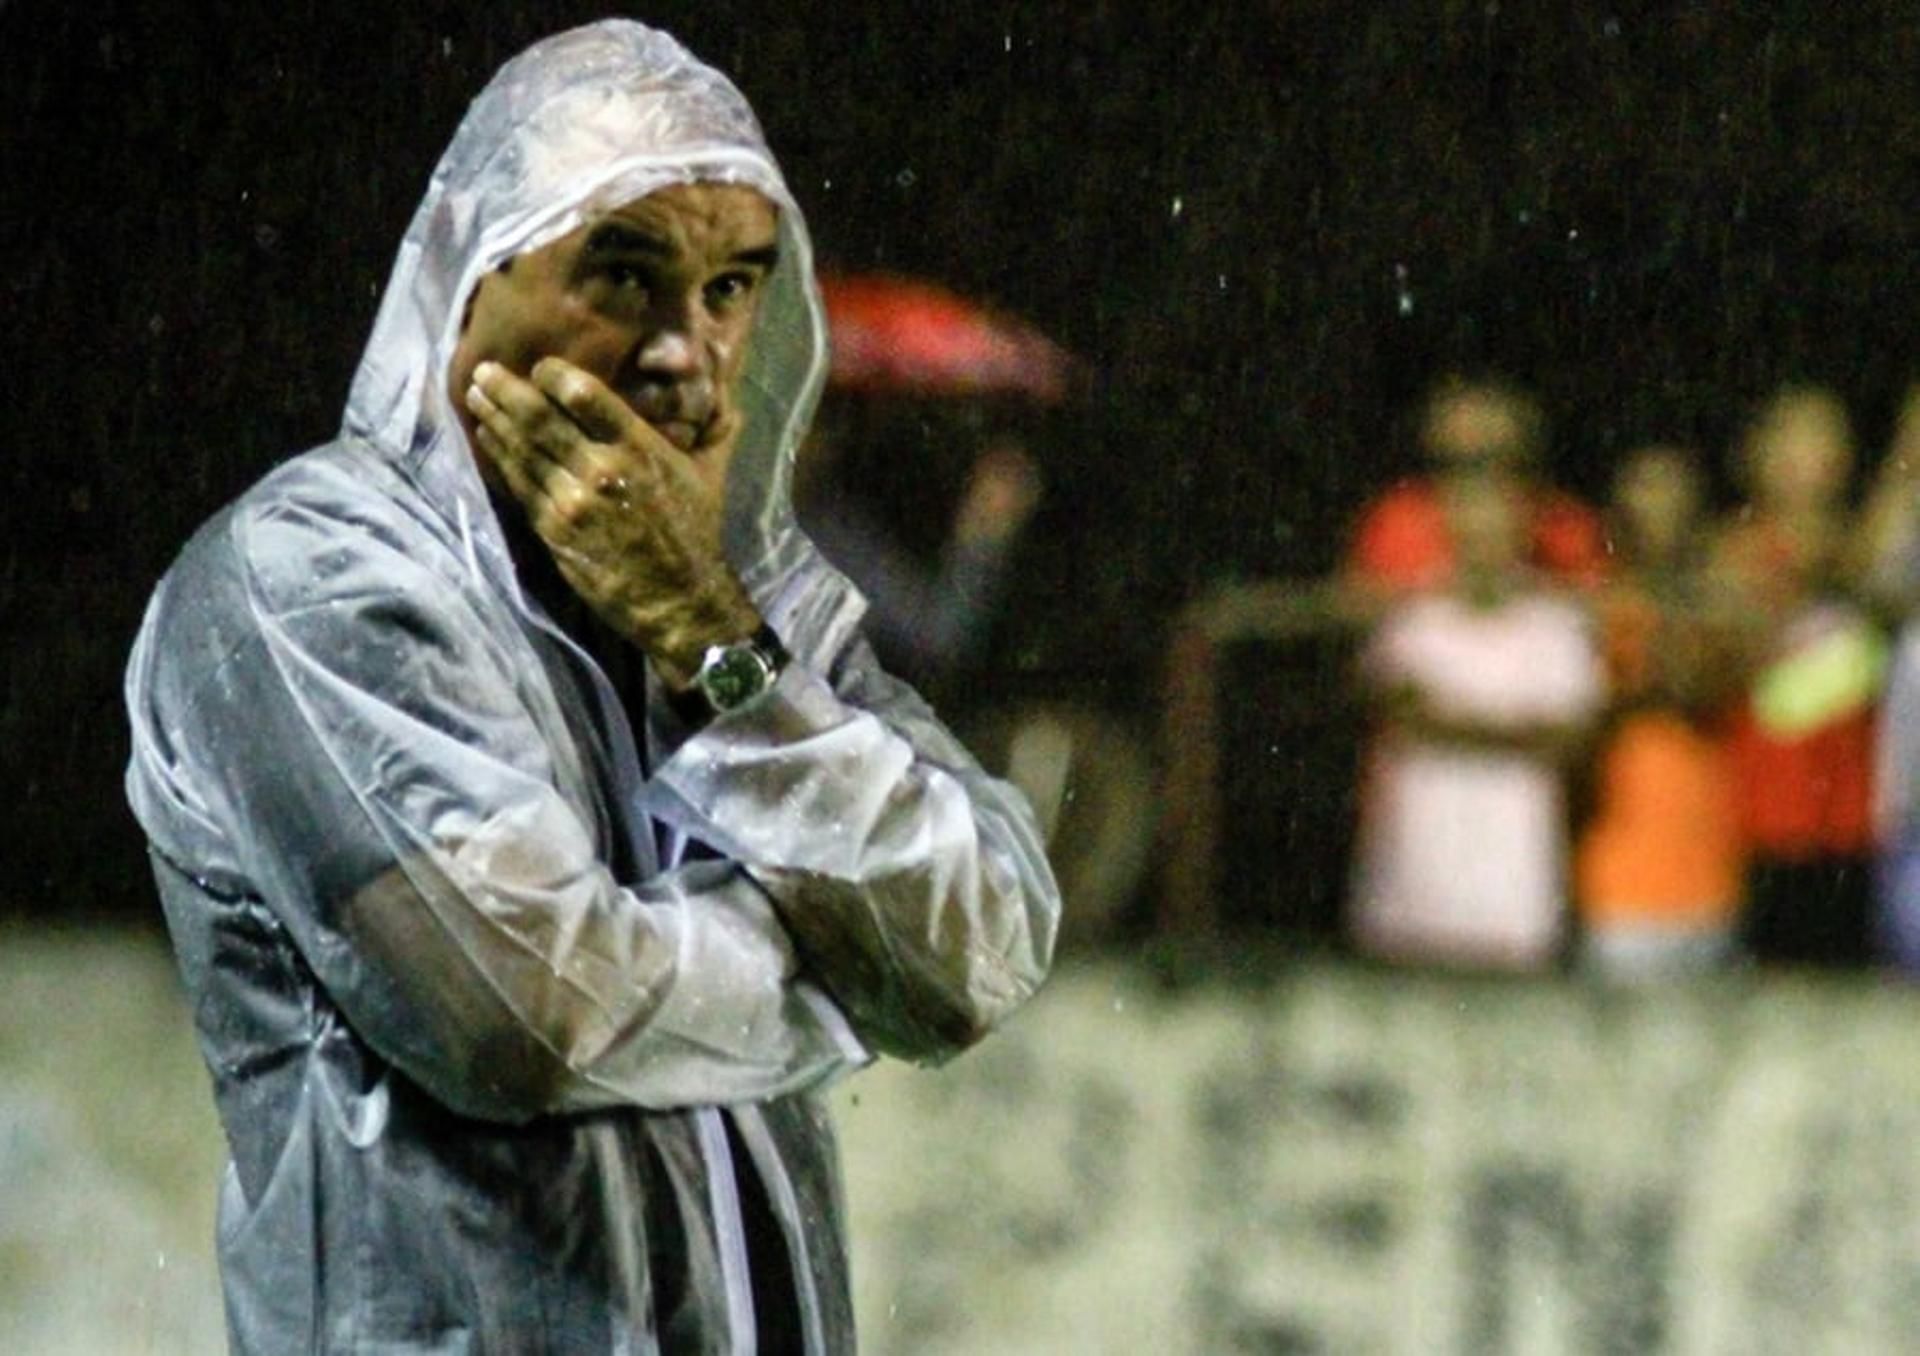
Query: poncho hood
{"points": [[573, 127]]}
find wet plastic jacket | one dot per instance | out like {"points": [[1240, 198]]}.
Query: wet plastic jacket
{"points": [[517, 997]]}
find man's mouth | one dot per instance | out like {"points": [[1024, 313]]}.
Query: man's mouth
{"points": [[682, 423], [684, 434]]}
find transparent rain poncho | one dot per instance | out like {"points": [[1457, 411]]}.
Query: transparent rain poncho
{"points": [[518, 998]]}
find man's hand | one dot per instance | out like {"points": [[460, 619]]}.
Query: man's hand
{"points": [[633, 522]]}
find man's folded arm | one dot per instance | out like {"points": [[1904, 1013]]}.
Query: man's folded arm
{"points": [[680, 991], [916, 887]]}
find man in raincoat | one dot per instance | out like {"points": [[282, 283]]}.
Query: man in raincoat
{"points": [[535, 831]]}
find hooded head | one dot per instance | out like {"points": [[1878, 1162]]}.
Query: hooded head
{"points": [[580, 127]]}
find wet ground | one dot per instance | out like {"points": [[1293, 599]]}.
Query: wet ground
{"points": [[1340, 1159], [108, 1153]]}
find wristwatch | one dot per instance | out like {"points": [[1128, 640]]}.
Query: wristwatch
{"points": [[732, 675]]}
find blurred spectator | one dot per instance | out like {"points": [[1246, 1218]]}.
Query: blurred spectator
{"points": [[900, 345], [1897, 810], [1403, 541], [925, 621], [1801, 739], [1889, 572], [1486, 690], [1883, 554], [1658, 871]]}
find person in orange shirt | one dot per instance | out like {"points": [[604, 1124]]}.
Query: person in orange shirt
{"points": [[1658, 868]]}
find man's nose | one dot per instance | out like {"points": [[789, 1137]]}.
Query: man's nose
{"points": [[670, 353]]}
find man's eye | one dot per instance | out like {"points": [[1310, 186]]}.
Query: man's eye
{"points": [[729, 289], [627, 277]]}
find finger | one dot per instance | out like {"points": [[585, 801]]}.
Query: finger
{"points": [[521, 482], [552, 500], [587, 400], [500, 436], [491, 418], [543, 465], [504, 441], [547, 428], [619, 480], [552, 506]]}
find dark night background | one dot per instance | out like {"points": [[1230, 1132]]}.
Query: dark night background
{"points": [[1267, 224]]}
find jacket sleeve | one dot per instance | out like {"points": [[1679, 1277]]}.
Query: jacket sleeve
{"points": [[916, 886], [403, 788]]}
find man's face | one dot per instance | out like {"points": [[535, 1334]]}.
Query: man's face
{"points": [[656, 298]]}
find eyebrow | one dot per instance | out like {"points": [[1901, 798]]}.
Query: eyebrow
{"points": [[614, 237], [619, 237], [764, 256]]}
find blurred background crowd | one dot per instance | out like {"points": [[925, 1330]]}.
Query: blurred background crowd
{"points": [[1665, 732], [1649, 736]]}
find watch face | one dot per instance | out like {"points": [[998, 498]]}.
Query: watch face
{"points": [[736, 675]]}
